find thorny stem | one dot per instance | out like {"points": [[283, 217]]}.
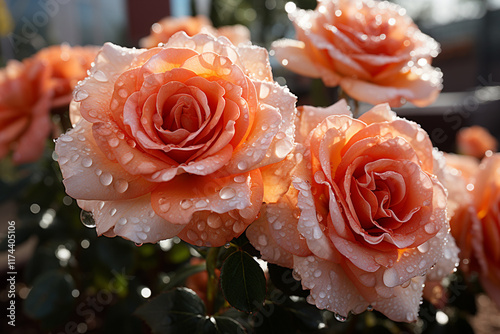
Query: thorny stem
{"points": [[212, 283]]}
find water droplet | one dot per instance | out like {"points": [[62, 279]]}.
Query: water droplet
{"points": [[201, 204], [164, 205], [122, 221], [283, 147], [100, 76], [390, 277], [127, 157], [106, 178], [242, 165], [87, 219], [138, 244], [80, 95], [369, 308], [227, 245], [66, 138], [227, 193], [86, 162], [186, 204], [423, 248], [214, 220], [240, 179], [112, 212], [340, 318], [121, 185]]}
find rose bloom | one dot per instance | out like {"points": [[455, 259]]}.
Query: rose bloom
{"points": [[476, 225], [372, 49], [475, 141], [29, 89], [171, 139], [161, 31], [371, 217]]}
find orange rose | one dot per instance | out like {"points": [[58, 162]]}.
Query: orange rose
{"points": [[476, 225], [372, 49], [371, 216], [29, 89], [172, 139], [475, 141], [167, 27]]}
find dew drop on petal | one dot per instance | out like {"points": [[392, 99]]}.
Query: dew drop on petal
{"points": [[121, 186], [122, 221], [80, 95], [214, 220], [87, 219], [138, 244], [227, 193], [86, 162], [164, 205], [186, 204], [390, 277], [242, 165], [340, 318], [100, 76], [227, 245], [106, 178], [423, 248], [283, 147]]}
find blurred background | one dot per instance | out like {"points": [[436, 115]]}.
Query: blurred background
{"points": [[70, 281]]}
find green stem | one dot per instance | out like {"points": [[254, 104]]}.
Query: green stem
{"points": [[212, 284]]}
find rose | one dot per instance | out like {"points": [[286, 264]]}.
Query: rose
{"points": [[372, 49], [475, 141], [476, 224], [161, 31], [30, 89], [371, 216], [172, 139]]}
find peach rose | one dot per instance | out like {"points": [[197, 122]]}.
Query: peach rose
{"points": [[372, 49], [164, 29], [475, 141], [371, 217], [476, 225], [29, 89], [171, 139]]}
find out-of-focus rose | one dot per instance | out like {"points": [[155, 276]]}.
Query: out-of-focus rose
{"points": [[475, 141], [476, 225], [371, 217], [198, 282], [29, 89], [164, 29], [372, 49], [171, 139]]}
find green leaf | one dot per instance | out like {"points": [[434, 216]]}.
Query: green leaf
{"points": [[227, 325], [177, 311], [243, 282], [51, 294]]}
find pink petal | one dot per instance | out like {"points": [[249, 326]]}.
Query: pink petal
{"points": [[380, 113], [309, 226], [406, 87], [132, 219], [251, 153], [89, 174], [258, 233], [330, 288], [227, 214], [255, 61], [292, 55], [177, 200], [310, 117], [282, 221]]}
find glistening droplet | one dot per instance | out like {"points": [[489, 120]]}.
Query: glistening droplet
{"points": [[87, 219], [340, 318]]}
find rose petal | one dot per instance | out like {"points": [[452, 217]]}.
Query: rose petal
{"points": [[260, 237], [310, 117], [234, 210], [330, 288], [292, 55], [88, 174], [132, 219]]}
